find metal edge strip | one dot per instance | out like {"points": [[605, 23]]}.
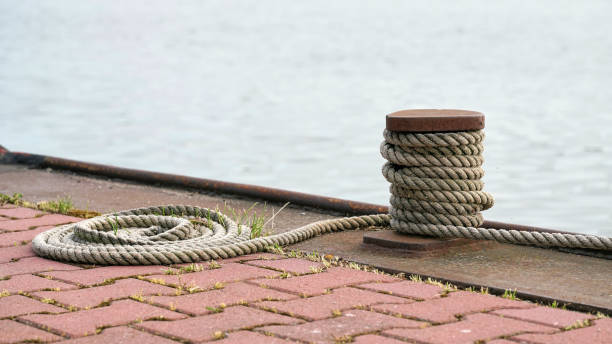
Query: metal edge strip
{"points": [[343, 206]]}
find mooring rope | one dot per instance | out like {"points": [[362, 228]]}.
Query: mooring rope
{"points": [[172, 235], [436, 191]]}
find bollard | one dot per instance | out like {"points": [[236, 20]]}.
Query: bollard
{"points": [[413, 186]]}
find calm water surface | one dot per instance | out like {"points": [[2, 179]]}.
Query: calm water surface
{"points": [[293, 95]]}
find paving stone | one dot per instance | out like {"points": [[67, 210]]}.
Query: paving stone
{"points": [[20, 237], [321, 307], [7, 206], [444, 309], [476, 327], [206, 279], [351, 323], [415, 290], [546, 316], [33, 264], [120, 335], [291, 265], [318, 283], [29, 283], [98, 275], [248, 337], [599, 333], [14, 305], [91, 297], [2, 218], [500, 341], [82, 323], [20, 213], [376, 339], [252, 256], [45, 220], [203, 327], [13, 332], [231, 294], [13, 253]]}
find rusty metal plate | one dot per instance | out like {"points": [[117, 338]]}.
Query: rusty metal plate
{"points": [[393, 239], [433, 120]]}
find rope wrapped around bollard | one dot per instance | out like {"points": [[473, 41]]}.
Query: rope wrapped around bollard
{"points": [[435, 182]]}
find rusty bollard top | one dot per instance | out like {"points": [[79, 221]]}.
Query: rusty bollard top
{"points": [[433, 120]]}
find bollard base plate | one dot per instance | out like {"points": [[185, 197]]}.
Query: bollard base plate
{"points": [[393, 239]]}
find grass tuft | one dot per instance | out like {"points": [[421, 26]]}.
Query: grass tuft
{"points": [[63, 205], [510, 294]]}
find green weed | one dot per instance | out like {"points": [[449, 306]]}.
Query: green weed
{"points": [[510, 294]]}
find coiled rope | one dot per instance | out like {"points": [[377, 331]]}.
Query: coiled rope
{"points": [[186, 235], [436, 191]]}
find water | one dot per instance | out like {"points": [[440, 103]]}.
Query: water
{"points": [[294, 95]]}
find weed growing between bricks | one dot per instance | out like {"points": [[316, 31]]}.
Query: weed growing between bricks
{"points": [[62, 205]]}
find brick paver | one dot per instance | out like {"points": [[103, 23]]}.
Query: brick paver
{"points": [[204, 327], [546, 316], [91, 297], [323, 306], [20, 237], [101, 274], [376, 339], [28, 283], [208, 278], [318, 283], [20, 213], [82, 323], [230, 294], [45, 220], [348, 324], [291, 265], [599, 333], [31, 265], [475, 327], [8, 254], [15, 305], [248, 337], [419, 291], [14, 332], [121, 335], [447, 308]]}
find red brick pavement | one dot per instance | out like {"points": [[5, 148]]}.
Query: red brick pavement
{"points": [[250, 299]]}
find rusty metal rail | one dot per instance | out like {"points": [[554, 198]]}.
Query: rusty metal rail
{"points": [[346, 207]]}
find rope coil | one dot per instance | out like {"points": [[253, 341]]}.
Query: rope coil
{"points": [[436, 191], [191, 234]]}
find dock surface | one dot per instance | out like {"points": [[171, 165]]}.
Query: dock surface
{"points": [[281, 297]]}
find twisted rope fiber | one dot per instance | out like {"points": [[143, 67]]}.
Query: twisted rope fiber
{"points": [[144, 237], [436, 191], [435, 187]]}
